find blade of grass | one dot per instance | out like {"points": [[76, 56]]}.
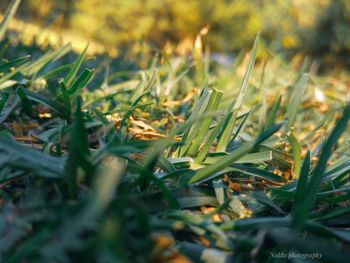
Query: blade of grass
{"points": [[14, 63], [51, 56], [226, 135], [301, 193], [66, 101], [25, 158], [9, 14], [236, 105], [78, 152], [257, 157], [296, 151], [81, 82], [11, 74], [9, 106], [52, 104], [295, 101], [26, 103], [272, 116], [208, 143], [74, 71], [266, 175]]}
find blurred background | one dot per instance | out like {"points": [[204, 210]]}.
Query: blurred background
{"points": [[319, 28]]}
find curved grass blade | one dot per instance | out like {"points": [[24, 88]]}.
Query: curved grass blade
{"points": [[9, 14], [208, 143], [272, 116], [9, 106], [71, 75], [296, 99], [26, 103], [236, 105], [296, 151], [81, 82], [52, 104], [14, 63], [66, 101], [301, 193], [226, 133], [225, 138], [28, 159], [12, 73], [50, 56], [263, 174], [3, 99], [78, 152]]}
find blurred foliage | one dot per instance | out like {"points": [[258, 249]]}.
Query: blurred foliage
{"points": [[314, 26]]}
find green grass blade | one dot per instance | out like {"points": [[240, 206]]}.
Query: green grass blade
{"points": [[74, 71], [49, 57], [237, 104], [266, 175], [105, 185], [301, 193], [80, 82], [9, 106], [240, 126], [9, 14], [78, 152], [52, 104], [295, 101], [225, 136], [256, 158], [11, 74], [3, 99], [14, 63], [296, 151], [25, 158], [26, 103], [66, 101], [272, 116]]}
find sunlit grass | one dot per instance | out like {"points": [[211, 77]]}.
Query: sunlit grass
{"points": [[186, 160]]}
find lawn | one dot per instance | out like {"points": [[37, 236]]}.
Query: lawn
{"points": [[185, 160]]}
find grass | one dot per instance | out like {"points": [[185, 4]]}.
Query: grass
{"points": [[156, 168]]}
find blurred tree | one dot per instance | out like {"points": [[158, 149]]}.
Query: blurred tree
{"points": [[232, 23], [313, 26], [331, 31], [44, 12]]}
